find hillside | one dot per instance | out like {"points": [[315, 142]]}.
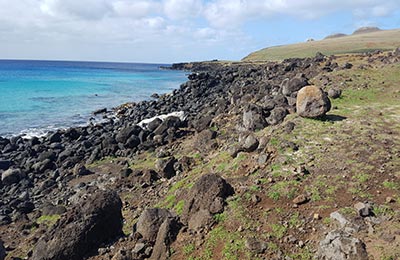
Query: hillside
{"points": [[356, 43], [240, 176]]}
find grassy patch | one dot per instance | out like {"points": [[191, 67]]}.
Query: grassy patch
{"points": [[48, 220]]}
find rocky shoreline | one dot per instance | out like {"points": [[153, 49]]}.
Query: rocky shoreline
{"points": [[38, 175]]}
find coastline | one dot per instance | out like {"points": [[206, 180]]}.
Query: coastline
{"points": [[225, 140]]}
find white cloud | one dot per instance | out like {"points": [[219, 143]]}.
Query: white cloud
{"points": [[182, 9], [87, 9]]}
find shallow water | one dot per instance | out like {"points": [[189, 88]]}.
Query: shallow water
{"points": [[38, 96]]}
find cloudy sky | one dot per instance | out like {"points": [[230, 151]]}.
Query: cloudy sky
{"points": [[176, 30]]}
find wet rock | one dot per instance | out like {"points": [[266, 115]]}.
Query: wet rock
{"points": [[83, 229], [55, 138], [165, 167], [205, 199], [312, 102], [12, 176], [340, 245], [150, 221]]}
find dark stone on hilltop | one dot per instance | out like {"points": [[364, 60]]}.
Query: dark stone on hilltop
{"points": [[340, 245], [206, 198], [165, 167], [334, 93], [165, 236], [150, 221], [2, 251], [312, 102], [83, 229], [319, 57], [132, 142], [12, 176]]}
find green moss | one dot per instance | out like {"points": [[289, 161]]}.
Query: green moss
{"points": [[179, 207], [278, 231], [48, 220], [189, 249]]}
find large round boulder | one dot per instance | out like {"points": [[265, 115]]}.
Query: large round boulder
{"points": [[312, 102], [12, 176], [150, 221], [91, 223]]}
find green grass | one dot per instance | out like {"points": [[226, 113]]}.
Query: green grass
{"points": [[383, 40], [48, 220]]}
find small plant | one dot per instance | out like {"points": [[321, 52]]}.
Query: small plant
{"points": [[189, 249], [278, 230], [221, 217], [179, 207], [361, 177], [390, 185]]}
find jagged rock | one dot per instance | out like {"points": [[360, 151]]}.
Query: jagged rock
{"points": [[150, 221], [82, 229], [364, 209], [12, 176], [255, 245], [125, 133], [250, 143], [253, 118], [165, 236], [2, 251], [80, 170], [165, 167], [340, 245], [5, 164], [334, 93], [207, 196], [290, 86], [55, 138], [277, 115], [312, 102]]}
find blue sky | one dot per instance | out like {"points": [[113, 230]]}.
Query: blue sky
{"points": [[176, 30]]}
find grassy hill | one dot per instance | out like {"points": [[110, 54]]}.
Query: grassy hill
{"points": [[380, 40]]}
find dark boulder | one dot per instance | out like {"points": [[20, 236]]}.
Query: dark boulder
{"points": [[2, 251], [206, 198], [12, 176], [277, 116], [165, 236], [125, 133], [290, 86], [83, 229], [253, 118], [55, 137], [154, 124], [5, 164], [165, 167], [150, 221]]}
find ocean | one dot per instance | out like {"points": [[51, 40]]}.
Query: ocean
{"points": [[40, 96]]}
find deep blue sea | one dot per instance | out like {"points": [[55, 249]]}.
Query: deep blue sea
{"points": [[38, 96]]}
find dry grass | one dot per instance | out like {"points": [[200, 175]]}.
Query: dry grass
{"points": [[381, 40]]}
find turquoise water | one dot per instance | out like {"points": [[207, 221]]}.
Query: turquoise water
{"points": [[37, 96]]}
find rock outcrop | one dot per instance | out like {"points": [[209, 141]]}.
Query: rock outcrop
{"points": [[83, 229], [206, 198]]}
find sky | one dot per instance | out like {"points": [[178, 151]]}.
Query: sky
{"points": [[166, 31]]}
